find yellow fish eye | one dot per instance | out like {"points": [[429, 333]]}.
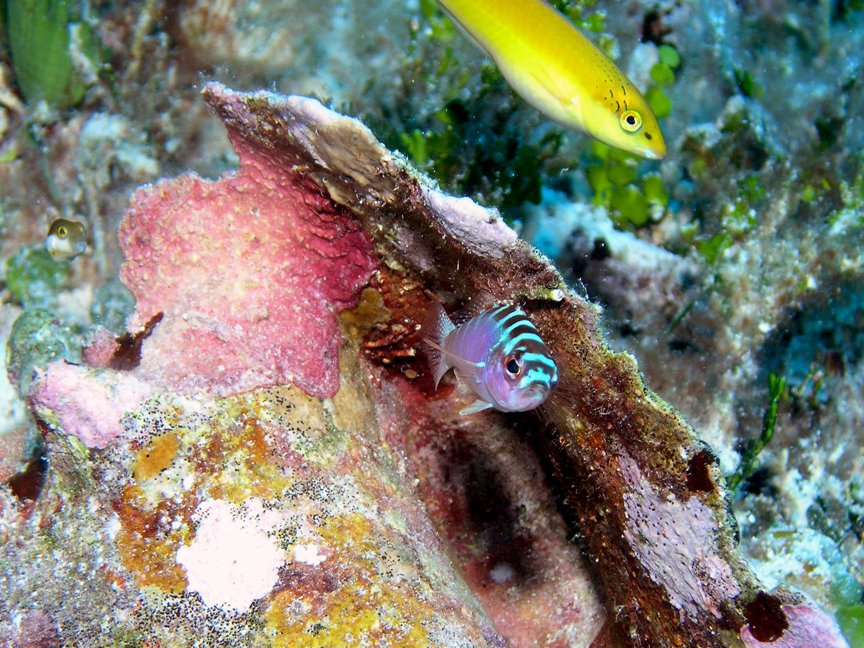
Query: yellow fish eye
{"points": [[631, 121], [62, 231]]}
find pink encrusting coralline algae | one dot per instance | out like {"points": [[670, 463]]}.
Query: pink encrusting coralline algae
{"points": [[89, 401], [249, 271]]}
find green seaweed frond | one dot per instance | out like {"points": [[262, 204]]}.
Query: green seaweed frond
{"points": [[441, 26], [474, 145], [663, 77], [34, 278], [748, 84], [50, 45], [680, 317], [750, 459], [712, 249], [632, 200]]}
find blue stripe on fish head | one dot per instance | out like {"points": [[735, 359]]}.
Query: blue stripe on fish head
{"points": [[519, 373]]}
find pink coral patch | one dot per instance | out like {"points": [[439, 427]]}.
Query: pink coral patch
{"points": [[101, 348], [90, 402], [250, 272]]}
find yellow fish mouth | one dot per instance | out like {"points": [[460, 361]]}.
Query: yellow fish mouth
{"points": [[651, 155]]}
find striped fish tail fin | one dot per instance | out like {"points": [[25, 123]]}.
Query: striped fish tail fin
{"points": [[436, 327]]}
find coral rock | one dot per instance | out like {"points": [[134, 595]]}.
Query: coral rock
{"points": [[249, 272], [86, 402], [377, 513]]}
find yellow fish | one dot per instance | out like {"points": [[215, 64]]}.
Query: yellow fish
{"points": [[554, 67], [66, 240]]}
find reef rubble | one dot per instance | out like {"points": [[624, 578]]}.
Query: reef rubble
{"points": [[274, 403]]}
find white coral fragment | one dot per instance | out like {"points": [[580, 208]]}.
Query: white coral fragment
{"points": [[232, 561]]}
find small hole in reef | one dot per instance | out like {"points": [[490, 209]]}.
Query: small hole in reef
{"points": [[767, 620], [27, 485], [760, 483], [698, 476], [601, 250]]}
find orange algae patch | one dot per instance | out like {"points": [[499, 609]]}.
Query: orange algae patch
{"points": [[148, 540], [357, 614], [237, 462], [357, 606], [234, 464], [156, 457]]}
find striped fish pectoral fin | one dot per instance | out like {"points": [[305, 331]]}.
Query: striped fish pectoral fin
{"points": [[441, 360], [465, 383], [476, 406]]}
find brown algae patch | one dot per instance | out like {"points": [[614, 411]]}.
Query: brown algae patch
{"points": [[149, 538]]}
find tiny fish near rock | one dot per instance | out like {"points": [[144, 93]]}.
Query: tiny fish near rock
{"points": [[497, 355], [66, 240]]}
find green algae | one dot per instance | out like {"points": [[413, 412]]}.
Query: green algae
{"points": [[750, 459], [476, 147], [659, 102], [713, 248], [621, 173], [577, 12], [633, 201], [631, 204], [851, 621], [663, 77], [669, 56], [748, 84], [113, 304], [45, 36], [662, 74], [414, 145], [442, 27], [38, 338], [34, 278], [655, 192], [844, 590]]}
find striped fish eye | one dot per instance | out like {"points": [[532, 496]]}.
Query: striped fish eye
{"points": [[512, 366]]}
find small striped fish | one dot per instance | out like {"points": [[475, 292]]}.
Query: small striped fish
{"points": [[497, 355]]}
